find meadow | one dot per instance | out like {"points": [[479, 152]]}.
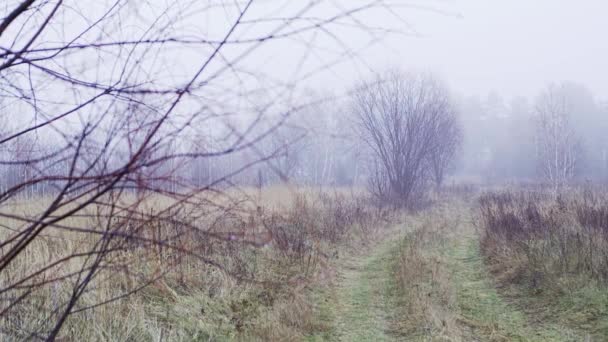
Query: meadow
{"points": [[288, 263], [227, 280]]}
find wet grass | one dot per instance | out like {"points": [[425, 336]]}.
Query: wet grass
{"points": [[485, 313], [358, 307]]}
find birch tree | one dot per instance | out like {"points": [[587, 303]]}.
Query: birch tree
{"points": [[558, 147]]}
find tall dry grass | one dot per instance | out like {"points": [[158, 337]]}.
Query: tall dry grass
{"points": [[544, 237], [425, 298], [551, 253], [243, 276]]}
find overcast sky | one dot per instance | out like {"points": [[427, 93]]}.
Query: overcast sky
{"points": [[513, 47]]}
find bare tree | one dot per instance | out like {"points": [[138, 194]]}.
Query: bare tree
{"points": [[113, 89], [558, 148], [288, 142], [448, 145], [402, 118]]}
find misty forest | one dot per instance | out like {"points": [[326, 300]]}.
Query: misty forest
{"points": [[312, 170]]}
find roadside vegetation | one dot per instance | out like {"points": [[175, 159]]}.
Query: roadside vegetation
{"points": [[457, 279], [508, 265], [239, 285], [425, 301], [550, 252]]}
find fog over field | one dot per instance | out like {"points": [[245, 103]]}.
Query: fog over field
{"points": [[311, 170], [510, 47]]}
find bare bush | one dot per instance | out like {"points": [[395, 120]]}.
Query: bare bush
{"points": [[443, 158], [408, 122], [324, 219], [537, 239]]}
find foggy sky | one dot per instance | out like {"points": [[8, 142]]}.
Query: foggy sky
{"points": [[513, 47]]}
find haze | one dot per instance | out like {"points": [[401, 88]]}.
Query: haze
{"points": [[512, 47], [303, 170]]}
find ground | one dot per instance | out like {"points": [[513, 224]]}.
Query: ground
{"points": [[360, 306], [484, 312]]}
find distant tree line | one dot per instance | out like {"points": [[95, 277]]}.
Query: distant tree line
{"points": [[555, 137]]}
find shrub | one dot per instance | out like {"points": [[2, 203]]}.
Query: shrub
{"points": [[540, 237]]}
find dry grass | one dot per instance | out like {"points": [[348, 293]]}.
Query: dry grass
{"points": [[552, 252], [425, 297], [546, 237], [445, 292], [256, 294]]}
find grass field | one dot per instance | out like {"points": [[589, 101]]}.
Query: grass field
{"points": [[221, 281], [339, 269]]}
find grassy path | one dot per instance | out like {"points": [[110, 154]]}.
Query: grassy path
{"points": [[364, 313], [484, 314], [358, 305]]}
